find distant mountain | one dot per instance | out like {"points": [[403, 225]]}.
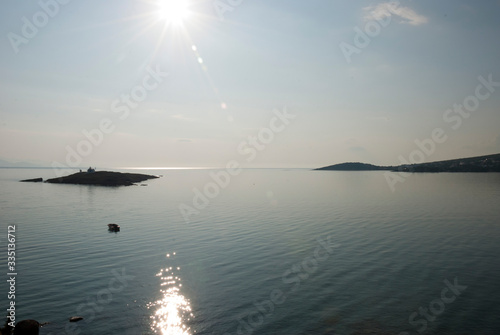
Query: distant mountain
{"points": [[7, 164], [490, 163]]}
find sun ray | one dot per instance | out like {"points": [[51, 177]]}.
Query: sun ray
{"points": [[171, 20]]}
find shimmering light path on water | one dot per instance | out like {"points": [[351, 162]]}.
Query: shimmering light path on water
{"points": [[172, 312]]}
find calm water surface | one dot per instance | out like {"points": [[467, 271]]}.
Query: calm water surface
{"points": [[276, 252]]}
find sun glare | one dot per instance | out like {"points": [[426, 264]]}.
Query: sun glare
{"points": [[173, 11]]}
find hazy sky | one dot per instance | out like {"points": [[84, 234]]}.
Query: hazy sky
{"points": [[363, 79]]}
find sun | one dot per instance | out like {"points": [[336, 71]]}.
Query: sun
{"points": [[173, 11]]}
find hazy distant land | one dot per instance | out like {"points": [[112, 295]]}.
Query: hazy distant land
{"points": [[490, 163]]}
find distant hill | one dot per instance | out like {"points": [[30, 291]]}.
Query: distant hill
{"points": [[489, 163], [354, 167]]}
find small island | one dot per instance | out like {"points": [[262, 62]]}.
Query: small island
{"points": [[99, 178], [490, 163]]}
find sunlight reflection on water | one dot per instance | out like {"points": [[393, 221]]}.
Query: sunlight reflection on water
{"points": [[173, 311]]}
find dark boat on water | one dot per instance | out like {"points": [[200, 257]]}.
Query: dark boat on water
{"points": [[113, 227]]}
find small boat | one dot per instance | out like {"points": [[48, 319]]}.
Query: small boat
{"points": [[113, 227]]}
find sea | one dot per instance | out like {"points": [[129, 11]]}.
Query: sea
{"points": [[263, 251]]}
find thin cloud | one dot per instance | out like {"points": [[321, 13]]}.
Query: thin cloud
{"points": [[388, 9], [358, 149], [183, 118]]}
